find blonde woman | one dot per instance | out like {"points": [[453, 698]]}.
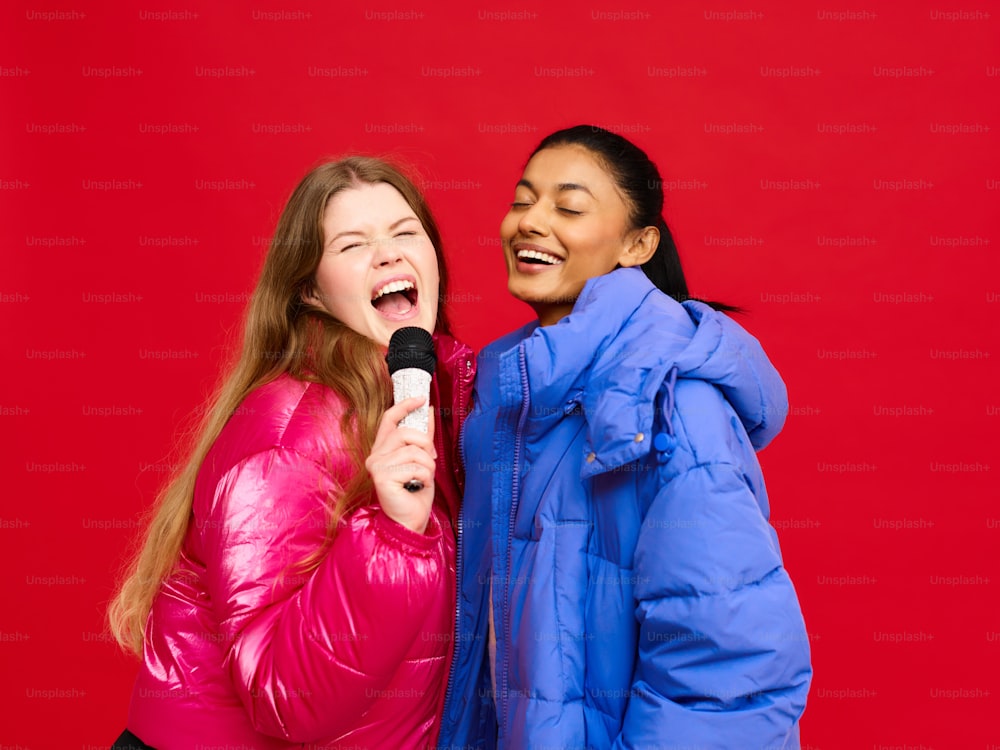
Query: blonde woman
{"points": [[291, 589]]}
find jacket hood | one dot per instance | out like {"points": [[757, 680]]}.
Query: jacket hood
{"points": [[615, 349], [721, 352]]}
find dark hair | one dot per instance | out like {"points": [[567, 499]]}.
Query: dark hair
{"points": [[639, 181]]}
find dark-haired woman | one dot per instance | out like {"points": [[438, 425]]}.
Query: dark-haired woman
{"points": [[620, 586], [291, 589]]}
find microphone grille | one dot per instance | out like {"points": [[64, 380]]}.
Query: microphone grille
{"points": [[411, 347]]}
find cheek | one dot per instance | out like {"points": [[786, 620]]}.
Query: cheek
{"points": [[430, 263], [324, 277], [593, 246], [341, 281], [424, 261]]}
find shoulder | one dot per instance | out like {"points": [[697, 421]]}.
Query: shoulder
{"points": [[456, 368], [273, 465], [284, 415], [509, 340], [706, 425], [451, 351]]}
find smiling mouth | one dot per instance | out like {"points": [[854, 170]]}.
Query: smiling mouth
{"points": [[396, 299], [537, 257]]}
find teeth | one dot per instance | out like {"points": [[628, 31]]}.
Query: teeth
{"points": [[393, 286], [536, 255]]}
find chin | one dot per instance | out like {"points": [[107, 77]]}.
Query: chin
{"points": [[394, 326], [521, 291]]}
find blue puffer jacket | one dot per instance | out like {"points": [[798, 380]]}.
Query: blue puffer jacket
{"points": [[614, 499]]}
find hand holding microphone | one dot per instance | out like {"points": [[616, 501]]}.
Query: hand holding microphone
{"points": [[402, 459]]}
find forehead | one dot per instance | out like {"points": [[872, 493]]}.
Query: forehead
{"points": [[569, 165], [366, 204]]}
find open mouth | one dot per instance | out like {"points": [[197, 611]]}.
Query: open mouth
{"points": [[396, 299], [537, 257]]}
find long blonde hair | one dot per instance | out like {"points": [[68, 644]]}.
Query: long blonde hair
{"points": [[282, 333]]}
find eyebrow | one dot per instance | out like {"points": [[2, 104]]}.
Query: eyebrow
{"points": [[561, 187], [358, 232]]}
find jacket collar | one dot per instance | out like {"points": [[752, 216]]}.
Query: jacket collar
{"points": [[612, 353], [451, 392], [597, 358]]}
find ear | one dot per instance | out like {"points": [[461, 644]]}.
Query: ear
{"points": [[641, 248], [308, 295]]}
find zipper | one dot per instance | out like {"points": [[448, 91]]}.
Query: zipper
{"points": [[439, 447], [515, 497], [458, 575], [458, 609], [463, 399]]}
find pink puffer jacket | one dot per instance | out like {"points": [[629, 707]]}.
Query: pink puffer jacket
{"points": [[245, 651]]}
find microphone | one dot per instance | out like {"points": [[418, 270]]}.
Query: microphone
{"points": [[411, 363]]}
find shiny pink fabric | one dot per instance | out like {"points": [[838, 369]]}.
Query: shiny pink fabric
{"points": [[245, 651]]}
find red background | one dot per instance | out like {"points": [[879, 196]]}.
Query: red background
{"points": [[832, 169]]}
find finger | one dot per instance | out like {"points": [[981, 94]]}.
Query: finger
{"points": [[405, 406], [408, 472], [415, 485], [395, 414], [412, 436], [411, 455], [402, 474], [399, 438], [421, 476], [391, 465]]}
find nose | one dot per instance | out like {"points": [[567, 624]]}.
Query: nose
{"points": [[387, 252], [532, 221]]}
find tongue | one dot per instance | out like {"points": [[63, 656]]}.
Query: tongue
{"points": [[394, 303]]}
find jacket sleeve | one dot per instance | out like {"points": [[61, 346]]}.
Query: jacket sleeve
{"points": [[723, 658], [308, 654]]}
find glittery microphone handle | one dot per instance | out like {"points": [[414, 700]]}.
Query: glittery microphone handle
{"points": [[407, 383]]}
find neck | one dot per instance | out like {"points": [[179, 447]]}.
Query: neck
{"points": [[550, 314]]}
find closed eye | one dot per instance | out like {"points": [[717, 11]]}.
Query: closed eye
{"points": [[519, 204], [569, 211]]}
